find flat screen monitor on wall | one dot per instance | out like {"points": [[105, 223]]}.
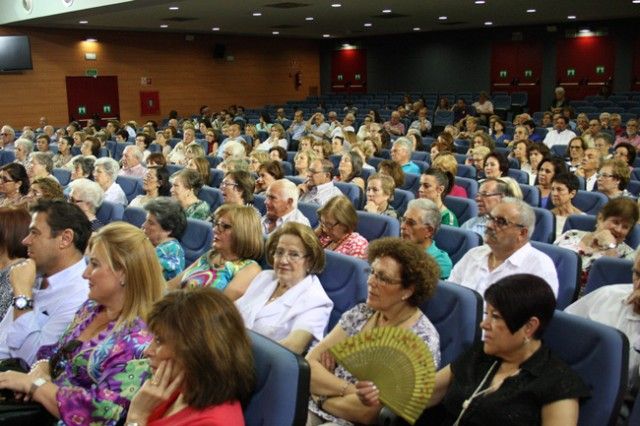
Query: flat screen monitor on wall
{"points": [[15, 53]]}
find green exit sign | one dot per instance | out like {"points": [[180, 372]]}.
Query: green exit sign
{"points": [[528, 73], [82, 110], [571, 72], [106, 108], [600, 69], [503, 73], [92, 72]]}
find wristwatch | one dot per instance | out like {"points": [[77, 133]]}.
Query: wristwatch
{"points": [[36, 384], [22, 302]]}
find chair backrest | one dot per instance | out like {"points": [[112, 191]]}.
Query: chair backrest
{"points": [[375, 161], [196, 239], [420, 156], [519, 176], [456, 312], [634, 416], [590, 202], [287, 168], [530, 194], [174, 168], [216, 178], [456, 241], [373, 226], [609, 270], [585, 222], [258, 203], [213, 197], [117, 155], [281, 393], [599, 354], [465, 170], [352, 192], [344, 279], [463, 208], [135, 216], [545, 228], [63, 175], [310, 210], [422, 164], [213, 161], [400, 200], [109, 212], [411, 182], [470, 185], [131, 186], [568, 268]]}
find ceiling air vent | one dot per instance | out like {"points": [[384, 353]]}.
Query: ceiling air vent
{"points": [[287, 5]]}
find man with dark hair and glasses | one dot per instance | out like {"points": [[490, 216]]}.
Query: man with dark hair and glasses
{"points": [[617, 306], [491, 192], [506, 251], [43, 306]]}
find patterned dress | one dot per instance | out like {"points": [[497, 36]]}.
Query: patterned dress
{"points": [[198, 210], [203, 273], [352, 323], [353, 245], [171, 257], [99, 377]]}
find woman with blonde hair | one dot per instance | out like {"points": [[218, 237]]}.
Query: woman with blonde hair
{"points": [[201, 165], [276, 138], [231, 264], [256, 159], [193, 150], [337, 228], [380, 190], [97, 366], [446, 162], [302, 160]]}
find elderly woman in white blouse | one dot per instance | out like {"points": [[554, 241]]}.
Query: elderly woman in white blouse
{"points": [[288, 303], [105, 172]]}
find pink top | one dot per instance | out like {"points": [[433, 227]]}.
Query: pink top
{"points": [[458, 191], [353, 244], [227, 414]]}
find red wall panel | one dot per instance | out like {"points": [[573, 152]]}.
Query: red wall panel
{"points": [[349, 71], [522, 61]]}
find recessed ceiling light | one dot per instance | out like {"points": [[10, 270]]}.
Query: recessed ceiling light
{"points": [[531, 11], [174, 8], [636, 1], [91, 40], [488, 23], [83, 22], [257, 13], [275, 32], [416, 28], [215, 29], [479, 2], [326, 35], [164, 26], [336, 5], [571, 17], [309, 18], [442, 18], [386, 10], [368, 24]]}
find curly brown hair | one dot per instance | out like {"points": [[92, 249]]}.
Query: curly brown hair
{"points": [[418, 269]]}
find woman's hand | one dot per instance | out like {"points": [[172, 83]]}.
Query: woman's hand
{"points": [[604, 240], [368, 393], [154, 391], [41, 370], [371, 207], [20, 383], [328, 361]]}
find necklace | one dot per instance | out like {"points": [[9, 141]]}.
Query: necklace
{"points": [[376, 322], [476, 393]]}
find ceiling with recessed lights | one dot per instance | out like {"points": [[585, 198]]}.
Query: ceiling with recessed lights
{"points": [[328, 18]]}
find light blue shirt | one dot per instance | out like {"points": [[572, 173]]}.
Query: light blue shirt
{"points": [[411, 167], [442, 258]]}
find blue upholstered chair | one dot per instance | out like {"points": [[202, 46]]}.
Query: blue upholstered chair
{"points": [[470, 185], [590, 202], [344, 279], [213, 197], [135, 216], [63, 175], [131, 186], [599, 355], [545, 228], [456, 241], [281, 393], [568, 268], [109, 212], [463, 208], [373, 226], [400, 200], [196, 239], [609, 270]]}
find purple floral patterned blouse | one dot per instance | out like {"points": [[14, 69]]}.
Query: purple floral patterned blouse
{"points": [[99, 377]]}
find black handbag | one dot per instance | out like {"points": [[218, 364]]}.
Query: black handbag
{"points": [[14, 412]]}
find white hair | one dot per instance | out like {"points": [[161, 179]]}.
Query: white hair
{"points": [[89, 191]]}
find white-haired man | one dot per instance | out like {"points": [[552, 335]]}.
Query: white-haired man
{"points": [[282, 206]]}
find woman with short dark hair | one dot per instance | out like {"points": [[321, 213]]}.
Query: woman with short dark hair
{"points": [[164, 225]]}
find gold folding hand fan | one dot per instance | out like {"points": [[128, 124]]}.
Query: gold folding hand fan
{"points": [[397, 361]]}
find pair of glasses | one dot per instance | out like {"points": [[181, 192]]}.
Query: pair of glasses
{"points": [[56, 366], [502, 222], [293, 256], [327, 225], [227, 184], [381, 278], [221, 225], [409, 222], [487, 194], [605, 175]]}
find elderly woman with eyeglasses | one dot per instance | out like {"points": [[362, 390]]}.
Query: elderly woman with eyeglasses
{"points": [[237, 188], [288, 303], [88, 195], [105, 173], [613, 178], [164, 224], [337, 228], [231, 264], [402, 277]]}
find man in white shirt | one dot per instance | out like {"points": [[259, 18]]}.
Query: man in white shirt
{"points": [[43, 307], [422, 123], [282, 206], [317, 127], [560, 135], [507, 250], [491, 192], [132, 162], [617, 306], [319, 188], [235, 132]]}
